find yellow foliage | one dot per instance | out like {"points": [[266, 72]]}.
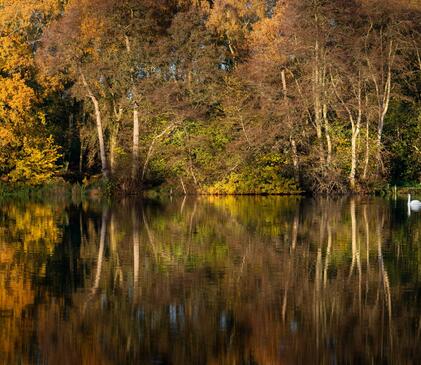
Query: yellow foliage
{"points": [[6, 136], [16, 98], [232, 17], [26, 154], [15, 55], [38, 162]]}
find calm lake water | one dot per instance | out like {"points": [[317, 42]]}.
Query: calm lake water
{"points": [[244, 280]]}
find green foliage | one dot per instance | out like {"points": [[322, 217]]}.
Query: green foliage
{"points": [[404, 143], [265, 177]]}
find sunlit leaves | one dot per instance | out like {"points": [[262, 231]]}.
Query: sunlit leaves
{"points": [[22, 122], [37, 163]]}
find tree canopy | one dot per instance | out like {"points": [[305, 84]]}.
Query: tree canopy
{"points": [[224, 96]]}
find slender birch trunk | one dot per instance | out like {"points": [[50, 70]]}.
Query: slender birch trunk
{"points": [[118, 114], [355, 118], [383, 86], [135, 163], [99, 127], [135, 148], [355, 133], [291, 138], [356, 126], [318, 104], [327, 133], [151, 148], [367, 143]]}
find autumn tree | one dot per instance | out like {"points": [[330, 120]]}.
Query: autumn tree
{"points": [[27, 154]]}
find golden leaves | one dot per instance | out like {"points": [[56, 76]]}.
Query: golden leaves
{"points": [[25, 153], [15, 55], [16, 98], [37, 163]]}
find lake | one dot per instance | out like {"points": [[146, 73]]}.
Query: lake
{"points": [[210, 280]]}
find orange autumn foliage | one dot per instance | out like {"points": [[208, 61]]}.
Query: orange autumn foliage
{"points": [[22, 121]]}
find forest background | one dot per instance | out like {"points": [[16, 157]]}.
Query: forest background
{"points": [[217, 96]]}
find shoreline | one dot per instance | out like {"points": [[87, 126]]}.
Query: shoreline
{"points": [[78, 191]]}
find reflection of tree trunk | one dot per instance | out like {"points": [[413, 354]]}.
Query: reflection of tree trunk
{"points": [[355, 249], [384, 275], [101, 250], [367, 242], [318, 294], [81, 154], [100, 258], [285, 299], [328, 250], [295, 228], [294, 235], [150, 237], [136, 244], [114, 251]]}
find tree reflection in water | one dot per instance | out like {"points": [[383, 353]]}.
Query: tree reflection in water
{"points": [[267, 280]]}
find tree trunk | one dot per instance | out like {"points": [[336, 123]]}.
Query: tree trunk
{"points": [[135, 162], [113, 145], [327, 132], [355, 127], [383, 88], [99, 128], [367, 150], [295, 159], [135, 150], [355, 117], [151, 147], [317, 103], [354, 137], [318, 124], [118, 114], [292, 140]]}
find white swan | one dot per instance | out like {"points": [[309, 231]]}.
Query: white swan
{"points": [[414, 205]]}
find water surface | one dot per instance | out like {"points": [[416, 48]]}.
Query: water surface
{"points": [[244, 280]]}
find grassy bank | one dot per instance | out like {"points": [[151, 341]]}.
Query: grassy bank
{"points": [[98, 188], [48, 190]]}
